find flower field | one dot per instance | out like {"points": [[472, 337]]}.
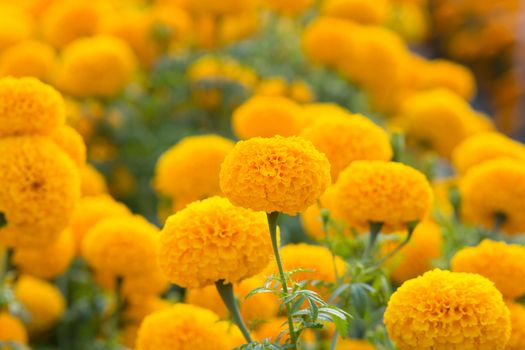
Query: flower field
{"points": [[262, 175]]}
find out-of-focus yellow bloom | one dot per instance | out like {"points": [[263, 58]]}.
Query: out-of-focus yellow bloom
{"points": [[42, 300], [517, 319], [325, 110], [12, 329], [97, 66], [236, 27], [49, 261], [15, 25], [354, 344], [71, 142], [360, 11], [297, 90], [138, 307], [476, 316], [272, 329], [92, 181], [28, 58], [410, 19], [442, 201], [288, 7], [219, 8], [275, 174]]}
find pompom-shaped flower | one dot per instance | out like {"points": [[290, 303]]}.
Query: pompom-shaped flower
{"points": [[183, 327], [138, 307], [123, 246], [189, 171], [39, 188], [360, 11], [92, 181], [485, 146], [213, 240], [288, 7], [15, 25], [28, 106], [416, 257], [517, 320], [495, 188], [49, 261], [354, 344], [42, 300], [383, 192], [144, 285], [502, 263], [325, 110], [71, 142], [97, 66], [275, 174], [12, 329], [443, 310], [28, 59], [344, 140], [218, 8], [267, 116]]}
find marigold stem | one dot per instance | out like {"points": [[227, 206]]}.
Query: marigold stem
{"points": [[375, 230], [7, 265], [499, 220], [227, 296], [411, 226], [119, 306], [272, 224]]}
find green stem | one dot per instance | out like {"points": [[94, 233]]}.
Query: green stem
{"points": [[325, 217], [333, 343], [375, 230], [499, 220], [119, 308], [272, 224], [3, 220], [227, 296], [7, 265], [411, 226]]}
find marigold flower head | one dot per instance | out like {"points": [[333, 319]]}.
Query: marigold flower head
{"points": [[275, 174], [189, 170], [502, 263], [485, 146], [288, 7], [42, 300], [138, 307], [148, 284], [517, 320], [272, 329], [121, 245], [354, 344], [267, 116], [494, 187], [39, 188], [313, 112], [28, 58], [390, 193], [49, 261], [183, 327], [213, 7], [344, 140], [28, 106], [71, 142], [15, 25], [360, 11], [92, 181], [98, 66], [212, 240], [12, 329], [444, 310], [416, 257]]}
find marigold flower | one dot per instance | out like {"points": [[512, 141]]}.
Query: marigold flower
{"points": [[517, 320], [148, 284], [97, 66], [354, 344], [121, 245], [313, 112], [275, 174], [344, 140], [28, 58], [485, 146], [39, 188], [28, 106], [220, 7], [183, 326], [502, 263], [212, 240], [189, 170], [384, 192], [444, 310], [416, 257], [288, 7], [267, 116], [272, 329], [494, 187], [138, 307], [92, 181], [360, 11], [71, 142], [49, 261], [12, 329], [15, 25], [42, 300]]}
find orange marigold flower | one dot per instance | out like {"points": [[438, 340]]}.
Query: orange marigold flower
{"points": [[360, 11], [12, 329], [71, 142], [28, 58], [517, 320], [354, 344], [92, 181]]}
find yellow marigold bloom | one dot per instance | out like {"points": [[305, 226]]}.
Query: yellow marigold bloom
{"points": [[49, 261], [219, 7], [301, 92], [494, 187], [128, 335], [444, 310], [344, 140], [313, 112], [42, 300], [485, 146], [189, 170], [212, 240], [288, 7], [354, 344], [15, 25], [97, 66], [92, 181], [39, 188], [28, 106], [267, 116], [502, 263], [152, 283], [442, 201], [183, 327], [272, 86], [517, 320], [387, 192], [12, 329], [71, 142], [28, 58], [360, 11], [123, 246], [416, 257], [258, 307], [138, 307], [275, 174], [81, 18], [272, 329], [92, 210]]}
